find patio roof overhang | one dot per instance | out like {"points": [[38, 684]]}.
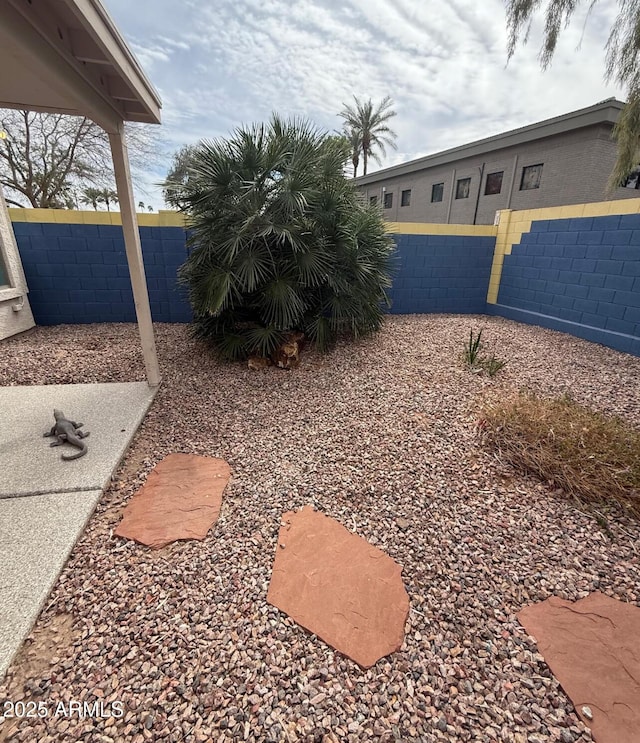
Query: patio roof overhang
{"points": [[67, 56]]}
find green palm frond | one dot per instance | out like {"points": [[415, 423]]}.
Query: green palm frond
{"points": [[281, 304], [339, 281], [232, 346], [343, 311], [229, 342], [279, 241], [253, 267], [214, 292], [313, 266], [264, 340], [319, 331], [230, 246], [370, 123], [283, 235], [207, 326]]}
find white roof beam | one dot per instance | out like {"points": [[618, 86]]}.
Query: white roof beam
{"points": [[120, 91], [85, 50], [97, 22], [59, 62]]}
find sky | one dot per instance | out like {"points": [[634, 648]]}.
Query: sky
{"points": [[219, 64]]}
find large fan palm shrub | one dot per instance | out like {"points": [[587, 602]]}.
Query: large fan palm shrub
{"points": [[280, 241]]}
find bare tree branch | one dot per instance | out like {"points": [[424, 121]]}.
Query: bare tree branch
{"points": [[13, 203], [48, 159]]}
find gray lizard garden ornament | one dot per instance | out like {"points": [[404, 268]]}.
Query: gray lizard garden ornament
{"points": [[68, 432]]}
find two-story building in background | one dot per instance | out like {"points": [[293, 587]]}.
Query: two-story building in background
{"points": [[559, 161]]}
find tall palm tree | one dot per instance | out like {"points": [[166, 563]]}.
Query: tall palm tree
{"points": [[91, 196], [371, 123], [107, 195], [354, 137]]}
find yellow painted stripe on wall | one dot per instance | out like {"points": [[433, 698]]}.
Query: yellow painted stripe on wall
{"points": [[428, 228], [170, 218], [71, 216]]}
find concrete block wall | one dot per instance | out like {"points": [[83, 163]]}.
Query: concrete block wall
{"points": [[574, 268], [574, 272], [442, 272], [77, 270], [78, 273]]}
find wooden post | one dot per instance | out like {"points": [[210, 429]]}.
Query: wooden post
{"points": [[134, 254]]}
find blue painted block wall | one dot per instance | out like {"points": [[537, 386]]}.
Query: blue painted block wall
{"points": [[581, 276], [78, 273], [441, 273]]}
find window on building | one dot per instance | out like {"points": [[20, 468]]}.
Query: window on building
{"points": [[437, 191], [531, 175], [494, 183], [388, 200], [462, 188], [373, 200], [633, 179], [405, 198]]}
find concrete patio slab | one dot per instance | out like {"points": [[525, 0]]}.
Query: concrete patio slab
{"points": [[36, 538], [111, 412], [45, 502]]}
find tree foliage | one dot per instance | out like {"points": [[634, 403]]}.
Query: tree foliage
{"points": [[621, 66], [367, 129], [94, 196], [341, 141], [107, 197], [91, 197], [354, 140], [178, 175], [280, 241], [47, 159]]}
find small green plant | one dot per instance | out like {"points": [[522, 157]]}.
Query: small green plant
{"points": [[492, 365], [475, 361], [472, 350]]}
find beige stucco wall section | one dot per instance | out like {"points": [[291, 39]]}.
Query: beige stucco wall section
{"points": [[15, 312]]}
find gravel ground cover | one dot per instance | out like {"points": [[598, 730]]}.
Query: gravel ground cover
{"points": [[370, 433]]}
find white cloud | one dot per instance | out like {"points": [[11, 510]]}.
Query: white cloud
{"points": [[220, 64], [149, 55]]}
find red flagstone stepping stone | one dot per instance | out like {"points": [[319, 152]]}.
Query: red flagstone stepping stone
{"points": [[338, 586], [593, 648], [181, 499]]}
